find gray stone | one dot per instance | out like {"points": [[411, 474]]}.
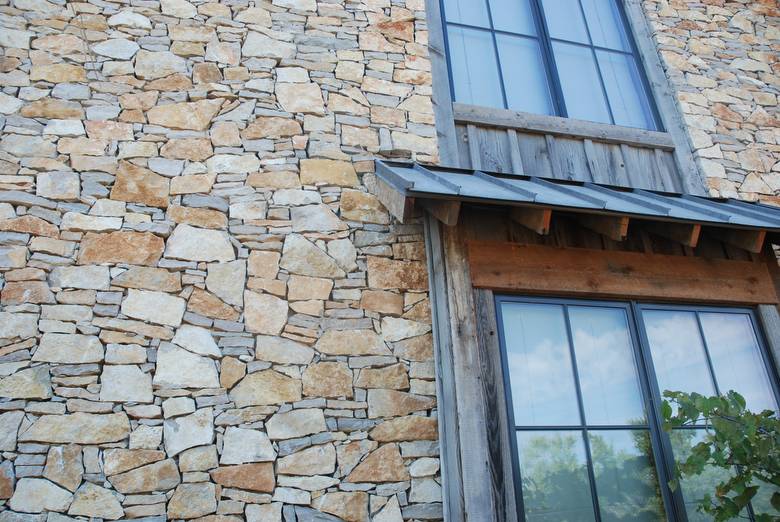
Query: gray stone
{"points": [[241, 446], [197, 340], [9, 426], [155, 307], [69, 349], [35, 495], [82, 277], [125, 383], [119, 48], [226, 281], [302, 257], [94, 501], [198, 244], [186, 432], [178, 368], [30, 383]]}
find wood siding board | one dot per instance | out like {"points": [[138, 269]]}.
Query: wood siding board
{"points": [[514, 152], [533, 151], [605, 274], [475, 155]]}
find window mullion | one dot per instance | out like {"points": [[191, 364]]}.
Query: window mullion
{"points": [[498, 56], [548, 57], [596, 63], [707, 355]]}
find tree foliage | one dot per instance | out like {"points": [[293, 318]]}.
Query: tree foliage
{"points": [[743, 446]]}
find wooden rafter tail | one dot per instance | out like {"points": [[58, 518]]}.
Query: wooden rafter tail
{"points": [[750, 240], [444, 210], [399, 205], [684, 233], [613, 227], [535, 219]]}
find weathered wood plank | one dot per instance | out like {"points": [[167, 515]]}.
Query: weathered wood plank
{"points": [[750, 240], [613, 227], [558, 126], [399, 205], [533, 151], [536, 219], [597, 273], [514, 152], [445, 211], [475, 156]]}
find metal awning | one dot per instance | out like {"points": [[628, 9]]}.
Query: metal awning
{"points": [[413, 181]]}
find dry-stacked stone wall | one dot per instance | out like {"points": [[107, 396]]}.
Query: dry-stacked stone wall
{"points": [[204, 312], [722, 60]]}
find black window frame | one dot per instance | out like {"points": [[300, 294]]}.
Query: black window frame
{"points": [[663, 456], [548, 59]]}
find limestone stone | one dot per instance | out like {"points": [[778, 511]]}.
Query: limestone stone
{"points": [[30, 383], [36, 495], [181, 433], [197, 340], [316, 460], [233, 163], [150, 65], [64, 466], [58, 185], [296, 423], [58, 73], [26, 292], [391, 512], [300, 97], [119, 48], [202, 458], [327, 379], [230, 372], [15, 39], [228, 53], [76, 222], [185, 115], [29, 225], [361, 206], [78, 428], [384, 464], [241, 446], [408, 428], [282, 351], [315, 218], [7, 480], [109, 130], [264, 388], [197, 217], [348, 506], [147, 278], [159, 476], [209, 305], [13, 325], [13, 257], [192, 501], [351, 342], [9, 427], [94, 501], [300, 256], [382, 301], [391, 403], [155, 307], [136, 184], [392, 377], [178, 368], [424, 467], [397, 329], [384, 273], [193, 149], [81, 277], [119, 460], [264, 512], [250, 477], [177, 406], [249, 210], [262, 46], [197, 244], [301, 288], [125, 383], [264, 313], [178, 8], [263, 264], [271, 127], [133, 248], [328, 172], [226, 281], [69, 349], [192, 184]]}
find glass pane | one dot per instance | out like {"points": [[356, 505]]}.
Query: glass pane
{"points": [[605, 364], [580, 83], [736, 358], [469, 12], [539, 362], [694, 488], [554, 477], [624, 87], [678, 352], [513, 16], [525, 79], [474, 70], [564, 20], [626, 478], [762, 502], [605, 24]]}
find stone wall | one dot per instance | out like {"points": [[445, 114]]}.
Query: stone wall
{"points": [[204, 313], [722, 59]]}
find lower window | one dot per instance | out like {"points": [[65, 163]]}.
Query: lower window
{"points": [[584, 383]]}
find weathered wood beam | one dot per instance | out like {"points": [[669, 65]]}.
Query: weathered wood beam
{"points": [[399, 205], [683, 233], [613, 227], [537, 269], [536, 219], [445, 211], [750, 240]]}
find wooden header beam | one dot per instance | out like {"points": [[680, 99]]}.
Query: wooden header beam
{"points": [[535, 269]]}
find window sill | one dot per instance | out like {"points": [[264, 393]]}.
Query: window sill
{"points": [[555, 125]]}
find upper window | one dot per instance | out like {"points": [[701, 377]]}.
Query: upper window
{"points": [[583, 389], [570, 58]]}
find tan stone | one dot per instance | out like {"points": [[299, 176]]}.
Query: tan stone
{"points": [[392, 377], [415, 349], [36, 495], [199, 244], [361, 206], [29, 383], [276, 180], [316, 460], [54, 109], [174, 82], [32, 225], [382, 302], [296, 423], [78, 428], [7, 479], [348, 506], [384, 273], [141, 101], [300, 97], [251, 477], [225, 134], [411, 427], [263, 264], [192, 501], [199, 217], [231, 371], [192, 184], [204, 303], [109, 130], [64, 466], [351, 342], [193, 149], [300, 256], [282, 351], [147, 278], [391, 403], [26, 292], [271, 127], [264, 314], [94, 501], [133, 248], [58, 73], [159, 476], [264, 388], [328, 172], [301, 288], [136, 184], [184, 115], [118, 460], [382, 465], [327, 379]]}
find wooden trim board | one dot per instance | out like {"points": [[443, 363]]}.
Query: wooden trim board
{"points": [[535, 269]]}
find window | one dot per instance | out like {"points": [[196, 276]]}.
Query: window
{"points": [[570, 58], [583, 389]]}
